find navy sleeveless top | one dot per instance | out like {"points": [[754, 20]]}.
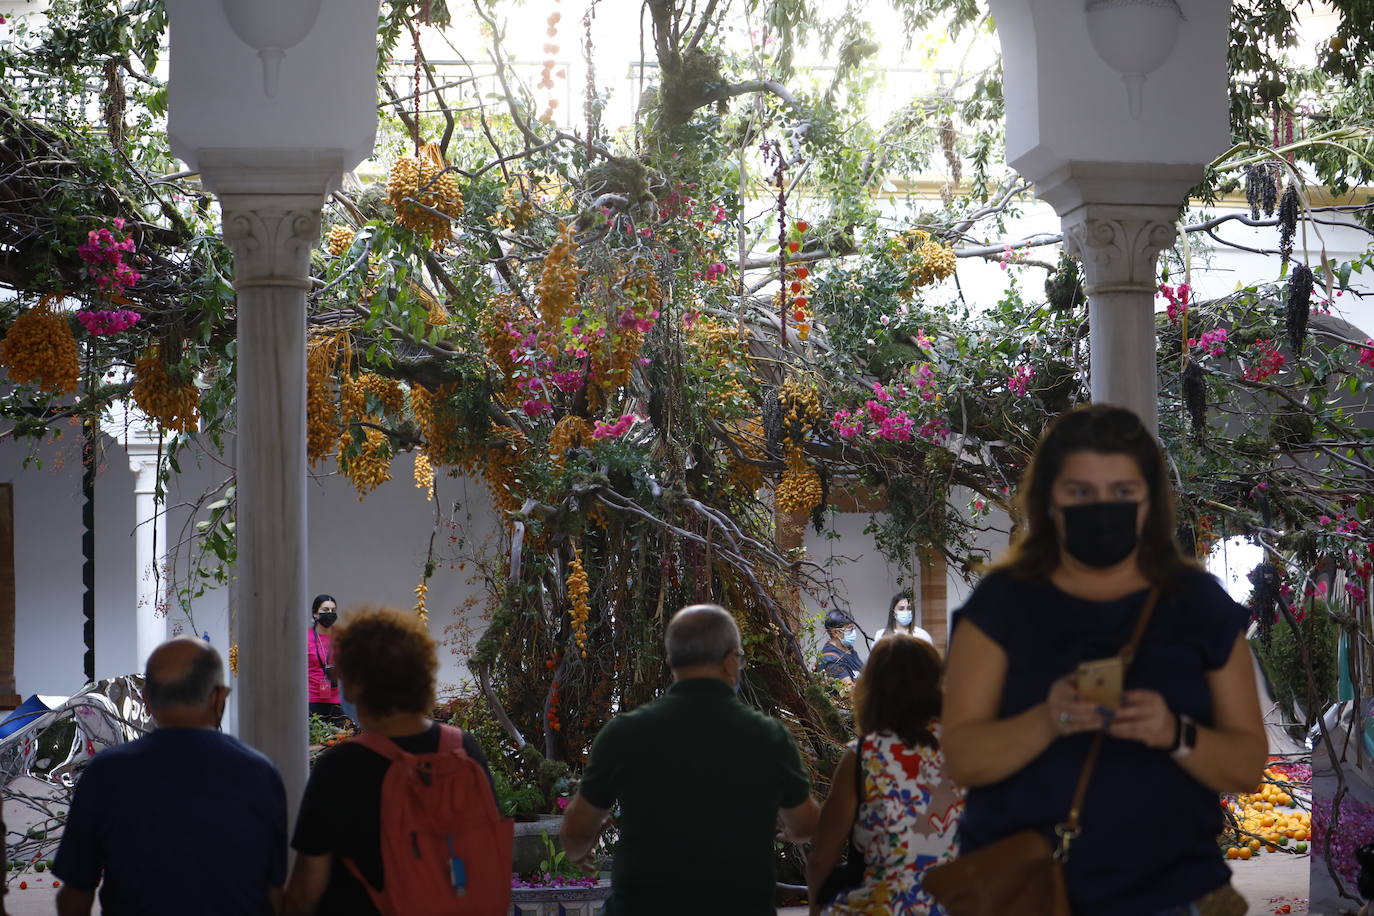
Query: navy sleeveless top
{"points": [[1134, 789]]}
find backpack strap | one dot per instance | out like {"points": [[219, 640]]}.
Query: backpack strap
{"points": [[380, 744], [451, 740]]}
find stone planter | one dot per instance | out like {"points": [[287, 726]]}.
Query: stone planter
{"points": [[560, 901], [529, 843]]}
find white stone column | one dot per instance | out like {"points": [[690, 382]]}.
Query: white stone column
{"points": [[150, 544], [271, 207], [1120, 246]]}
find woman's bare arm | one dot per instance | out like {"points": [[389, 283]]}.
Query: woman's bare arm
{"points": [[837, 819]]}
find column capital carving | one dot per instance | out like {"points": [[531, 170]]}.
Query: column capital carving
{"points": [[1119, 245], [272, 236]]}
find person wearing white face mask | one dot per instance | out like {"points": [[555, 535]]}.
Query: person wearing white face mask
{"points": [[901, 618], [838, 658]]}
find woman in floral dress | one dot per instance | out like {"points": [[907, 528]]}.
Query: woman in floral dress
{"points": [[907, 818]]}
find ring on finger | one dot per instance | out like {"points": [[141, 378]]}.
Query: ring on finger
{"points": [[1065, 718]]}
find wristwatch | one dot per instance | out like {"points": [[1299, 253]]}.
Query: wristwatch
{"points": [[1185, 737]]}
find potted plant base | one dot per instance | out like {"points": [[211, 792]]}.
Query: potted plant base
{"points": [[566, 900]]}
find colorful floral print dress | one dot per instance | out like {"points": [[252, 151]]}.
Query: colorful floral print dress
{"points": [[906, 823]]}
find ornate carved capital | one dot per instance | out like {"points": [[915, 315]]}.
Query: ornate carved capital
{"points": [[1119, 246], [272, 236]]}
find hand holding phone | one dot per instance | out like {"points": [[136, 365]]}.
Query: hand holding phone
{"points": [[1100, 681]]}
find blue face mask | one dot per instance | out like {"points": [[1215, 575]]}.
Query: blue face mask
{"points": [[349, 709], [904, 618], [850, 636]]}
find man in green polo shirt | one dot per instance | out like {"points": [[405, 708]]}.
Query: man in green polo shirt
{"points": [[701, 780]]}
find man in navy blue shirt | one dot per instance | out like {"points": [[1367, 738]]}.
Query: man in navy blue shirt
{"points": [[183, 820], [838, 658]]}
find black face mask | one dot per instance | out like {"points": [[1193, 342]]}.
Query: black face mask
{"points": [[328, 618], [1100, 534]]}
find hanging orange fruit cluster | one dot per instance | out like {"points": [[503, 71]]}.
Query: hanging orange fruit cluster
{"points": [[339, 239], [424, 475], [568, 433], [420, 185], [321, 407], [722, 351], [926, 259], [174, 405], [234, 659], [370, 466], [801, 407], [517, 209], [40, 347], [578, 593], [422, 600], [800, 487], [558, 280]]}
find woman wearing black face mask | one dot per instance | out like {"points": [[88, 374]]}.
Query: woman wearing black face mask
{"points": [[1094, 556], [324, 684]]}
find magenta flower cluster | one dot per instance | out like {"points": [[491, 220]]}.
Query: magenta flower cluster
{"points": [[103, 323], [1367, 353], [1266, 361], [880, 418], [925, 382], [617, 429], [1178, 298], [1211, 342], [551, 880], [1018, 383], [1355, 828], [104, 256]]}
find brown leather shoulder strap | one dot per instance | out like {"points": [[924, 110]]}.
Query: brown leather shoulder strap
{"points": [[1070, 824]]}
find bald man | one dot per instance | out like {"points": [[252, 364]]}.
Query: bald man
{"points": [[183, 820], [701, 779]]}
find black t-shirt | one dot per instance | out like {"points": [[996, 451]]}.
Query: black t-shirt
{"points": [[341, 814]]}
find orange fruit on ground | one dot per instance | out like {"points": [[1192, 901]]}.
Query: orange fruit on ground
{"points": [[1233, 853], [1245, 852], [1254, 844], [1299, 834]]}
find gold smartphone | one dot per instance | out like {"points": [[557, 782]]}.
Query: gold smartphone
{"points": [[1100, 681]]}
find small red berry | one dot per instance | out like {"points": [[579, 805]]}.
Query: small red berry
{"points": [[801, 302], [803, 273], [799, 315], [23, 885], [796, 286], [803, 225], [794, 247]]}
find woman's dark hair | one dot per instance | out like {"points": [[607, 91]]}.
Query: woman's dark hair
{"points": [[1107, 430], [388, 660], [899, 690], [892, 609], [319, 600]]}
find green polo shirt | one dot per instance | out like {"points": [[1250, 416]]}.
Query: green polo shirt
{"points": [[699, 777]]}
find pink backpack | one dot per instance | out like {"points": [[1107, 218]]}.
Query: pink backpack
{"points": [[446, 850]]}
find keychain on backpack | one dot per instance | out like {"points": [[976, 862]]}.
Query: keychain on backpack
{"points": [[458, 872]]}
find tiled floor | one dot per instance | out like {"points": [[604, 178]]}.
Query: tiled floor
{"points": [[1258, 880]]}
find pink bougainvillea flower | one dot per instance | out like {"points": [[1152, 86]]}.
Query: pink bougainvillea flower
{"points": [[617, 429]]}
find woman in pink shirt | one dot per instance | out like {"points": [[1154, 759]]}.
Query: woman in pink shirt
{"points": [[324, 684]]}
